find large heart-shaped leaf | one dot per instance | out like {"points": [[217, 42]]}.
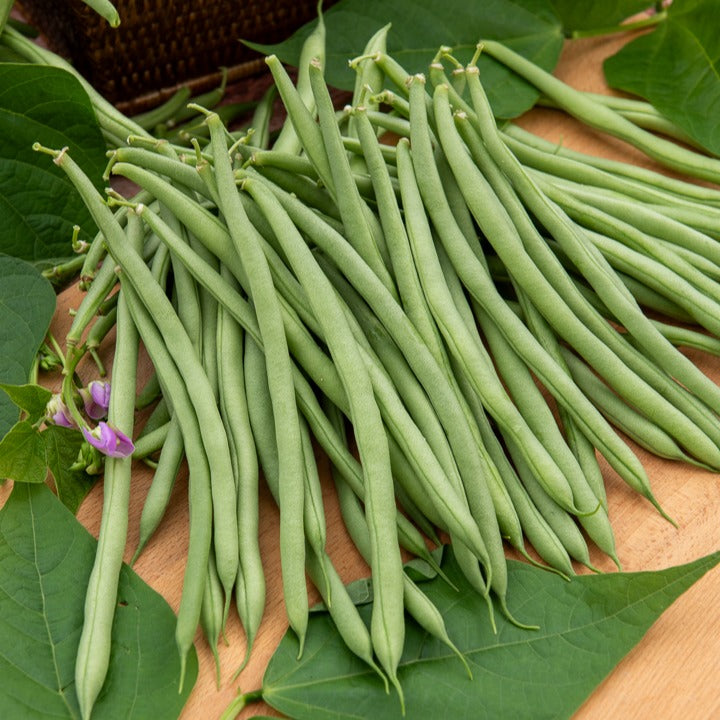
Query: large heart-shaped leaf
{"points": [[677, 68], [45, 561], [586, 627], [38, 205], [27, 304], [420, 27]]}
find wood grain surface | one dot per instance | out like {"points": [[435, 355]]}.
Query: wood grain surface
{"points": [[672, 673]]}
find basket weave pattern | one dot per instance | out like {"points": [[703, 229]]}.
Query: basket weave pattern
{"points": [[160, 45]]}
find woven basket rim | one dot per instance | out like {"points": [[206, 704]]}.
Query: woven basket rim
{"points": [[146, 101]]}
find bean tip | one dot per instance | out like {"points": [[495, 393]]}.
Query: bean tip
{"points": [[355, 62], [56, 155], [512, 619], [416, 78], [401, 695]]}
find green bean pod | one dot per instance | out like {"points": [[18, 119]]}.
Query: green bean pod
{"points": [[158, 496], [503, 231], [287, 426], [164, 112], [200, 495], [361, 227], [387, 629], [344, 613], [642, 177], [368, 81], [603, 118], [591, 264], [212, 613], [179, 345], [93, 655], [288, 139], [250, 583], [636, 426], [416, 602]]}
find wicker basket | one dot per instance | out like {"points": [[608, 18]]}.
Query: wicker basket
{"points": [[161, 45]]}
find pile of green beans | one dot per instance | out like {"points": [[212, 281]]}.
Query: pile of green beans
{"points": [[396, 305]]}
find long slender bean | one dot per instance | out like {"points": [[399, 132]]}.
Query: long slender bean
{"points": [[408, 283], [200, 504], [368, 81], [542, 155], [635, 237], [158, 496], [313, 48], [416, 352], [475, 278], [386, 626], [642, 176], [603, 118], [287, 427], [499, 225], [178, 343], [93, 655], [315, 525], [250, 583], [420, 608], [539, 416], [361, 226], [641, 429], [588, 259], [458, 338], [212, 612], [577, 440]]}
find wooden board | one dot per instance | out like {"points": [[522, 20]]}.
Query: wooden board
{"points": [[673, 672]]}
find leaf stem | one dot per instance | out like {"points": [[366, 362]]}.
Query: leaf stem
{"points": [[56, 347], [68, 385], [61, 274], [239, 702], [649, 21]]}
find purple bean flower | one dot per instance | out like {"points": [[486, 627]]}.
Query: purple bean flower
{"points": [[109, 440], [57, 412], [96, 397]]}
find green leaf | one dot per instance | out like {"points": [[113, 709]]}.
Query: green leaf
{"points": [[418, 570], [677, 68], [33, 399], [27, 304], [45, 561], [596, 15], [420, 27], [587, 626], [38, 204], [62, 446], [22, 454], [360, 591]]}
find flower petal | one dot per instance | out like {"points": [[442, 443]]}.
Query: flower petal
{"points": [[96, 397], [57, 412], [109, 440]]}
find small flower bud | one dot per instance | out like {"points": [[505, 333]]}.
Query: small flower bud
{"points": [[96, 397], [56, 412]]}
